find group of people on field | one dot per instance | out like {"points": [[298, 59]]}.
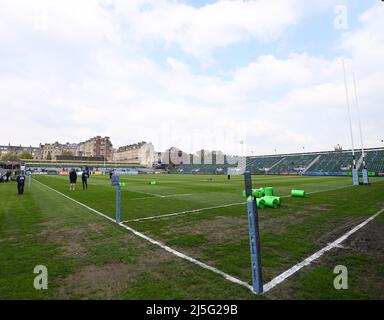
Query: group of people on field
{"points": [[73, 179]]}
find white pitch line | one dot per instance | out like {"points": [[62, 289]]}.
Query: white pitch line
{"points": [[165, 196], [217, 207], [184, 212], [176, 195], [188, 258], [77, 202], [280, 278], [148, 193], [142, 198], [159, 244], [160, 195], [320, 191], [336, 188]]}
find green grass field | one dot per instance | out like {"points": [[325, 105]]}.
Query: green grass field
{"points": [[89, 257]]}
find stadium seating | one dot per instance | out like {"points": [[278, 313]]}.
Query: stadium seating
{"points": [[334, 162], [262, 164], [327, 162], [375, 161], [294, 163]]}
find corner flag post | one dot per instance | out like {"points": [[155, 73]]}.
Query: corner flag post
{"points": [[254, 237], [118, 203], [116, 184], [29, 180]]}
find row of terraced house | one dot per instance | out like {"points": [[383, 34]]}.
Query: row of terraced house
{"points": [[95, 149]]}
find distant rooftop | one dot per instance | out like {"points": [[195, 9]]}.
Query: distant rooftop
{"points": [[131, 146]]}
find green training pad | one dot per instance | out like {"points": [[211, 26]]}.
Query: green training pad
{"points": [[258, 193], [268, 191], [298, 193], [255, 193], [273, 197], [271, 202], [260, 203]]}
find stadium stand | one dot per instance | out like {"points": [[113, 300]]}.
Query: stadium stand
{"points": [[262, 164], [334, 162], [294, 163], [375, 160], [330, 163]]}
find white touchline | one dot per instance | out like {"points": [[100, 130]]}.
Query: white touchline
{"points": [[79, 203], [280, 278], [167, 215], [188, 258], [142, 198], [158, 243]]}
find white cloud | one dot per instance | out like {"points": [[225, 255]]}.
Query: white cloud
{"points": [[200, 30], [70, 19], [366, 44]]}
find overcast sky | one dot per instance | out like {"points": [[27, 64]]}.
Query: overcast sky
{"points": [[191, 74]]}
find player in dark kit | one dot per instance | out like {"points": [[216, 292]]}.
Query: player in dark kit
{"points": [[20, 183], [84, 179], [72, 179]]}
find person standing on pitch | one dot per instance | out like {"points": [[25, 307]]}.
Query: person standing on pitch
{"points": [[8, 174], [84, 179], [72, 180], [20, 183]]}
